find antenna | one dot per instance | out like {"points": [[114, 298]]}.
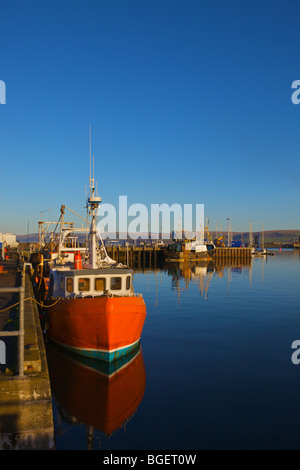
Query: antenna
{"points": [[90, 157], [90, 146], [93, 180]]}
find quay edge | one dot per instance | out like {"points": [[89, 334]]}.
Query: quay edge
{"points": [[26, 415]]}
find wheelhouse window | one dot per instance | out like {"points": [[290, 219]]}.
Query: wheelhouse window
{"points": [[100, 283], [128, 283], [115, 283], [83, 284], [69, 284]]}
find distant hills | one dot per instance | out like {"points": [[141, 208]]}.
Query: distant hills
{"points": [[270, 236], [31, 237]]}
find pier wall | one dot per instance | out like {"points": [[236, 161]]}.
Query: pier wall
{"points": [[150, 256], [26, 416], [232, 253], [136, 255]]}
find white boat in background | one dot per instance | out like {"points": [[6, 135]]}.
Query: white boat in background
{"points": [[258, 252], [198, 246], [192, 250]]}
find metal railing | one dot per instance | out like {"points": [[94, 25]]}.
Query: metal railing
{"points": [[20, 332]]}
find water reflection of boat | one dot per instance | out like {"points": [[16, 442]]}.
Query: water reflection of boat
{"points": [[103, 396], [201, 274]]}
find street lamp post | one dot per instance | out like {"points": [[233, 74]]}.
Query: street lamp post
{"points": [[228, 220]]}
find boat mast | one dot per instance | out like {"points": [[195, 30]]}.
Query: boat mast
{"points": [[93, 203], [62, 213]]}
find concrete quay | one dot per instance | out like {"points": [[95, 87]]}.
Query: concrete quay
{"points": [[26, 415]]}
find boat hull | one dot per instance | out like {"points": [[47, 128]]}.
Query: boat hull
{"points": [[189, 256], [104, 328]]}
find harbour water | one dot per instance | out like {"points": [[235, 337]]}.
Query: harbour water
{"points": [[214, 370]]}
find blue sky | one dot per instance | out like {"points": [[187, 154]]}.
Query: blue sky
{"points": [[189, 102]]}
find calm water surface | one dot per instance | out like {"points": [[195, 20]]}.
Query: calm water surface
{"points": [[214, 370]]}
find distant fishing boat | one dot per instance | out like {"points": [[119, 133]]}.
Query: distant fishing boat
{"points": [[191, 250], [259, 252], [91, 307]]}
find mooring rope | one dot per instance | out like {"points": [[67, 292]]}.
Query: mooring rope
{"points": [[28, 298]]}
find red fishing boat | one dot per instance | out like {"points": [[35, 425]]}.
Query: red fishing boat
{"points": [[92, 309]]}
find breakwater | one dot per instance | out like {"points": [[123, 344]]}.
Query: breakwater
{"points": [[151, 255]]}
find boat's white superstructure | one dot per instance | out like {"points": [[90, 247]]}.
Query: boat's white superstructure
{"points": [[197, 246]]}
